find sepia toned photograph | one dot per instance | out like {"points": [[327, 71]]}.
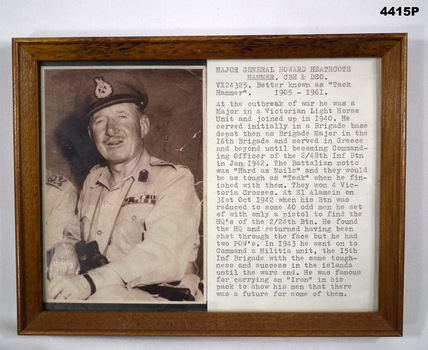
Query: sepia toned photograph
{"points": [[123, 191]]}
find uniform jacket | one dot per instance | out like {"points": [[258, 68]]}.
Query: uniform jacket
{"points": [[147, 226]]}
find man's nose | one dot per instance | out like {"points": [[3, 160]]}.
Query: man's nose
{"points": [[112, 127]]}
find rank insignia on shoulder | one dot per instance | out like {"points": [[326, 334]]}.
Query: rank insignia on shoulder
{"points": [[56, 180], [138, 199]]}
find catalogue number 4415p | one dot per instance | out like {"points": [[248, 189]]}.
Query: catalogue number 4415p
{"points": [[399, 11]]}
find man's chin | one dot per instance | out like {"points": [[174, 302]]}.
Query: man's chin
{"points": [[116, 158], [115, 161]]}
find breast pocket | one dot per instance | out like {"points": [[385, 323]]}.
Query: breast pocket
{"points": [[130, 226]]}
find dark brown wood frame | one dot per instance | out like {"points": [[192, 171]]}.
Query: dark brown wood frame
{"points": [[28, 53]]}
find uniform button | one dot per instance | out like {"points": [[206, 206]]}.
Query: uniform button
{"points": [[134, 217], [99, 232]]}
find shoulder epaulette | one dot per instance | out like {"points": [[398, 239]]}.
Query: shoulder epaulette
{"points": [[159, 162], [98, 166]]}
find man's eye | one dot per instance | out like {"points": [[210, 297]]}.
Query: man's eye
{"points": [[99, 121]]}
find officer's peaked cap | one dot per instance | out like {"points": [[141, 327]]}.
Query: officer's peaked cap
{"points": [[108, 88]]}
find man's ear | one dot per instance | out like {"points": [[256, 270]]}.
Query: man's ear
{"points": [[144, 125], [90, 133]]}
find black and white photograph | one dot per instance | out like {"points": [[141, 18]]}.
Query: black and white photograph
{"points": [[123, 192]]}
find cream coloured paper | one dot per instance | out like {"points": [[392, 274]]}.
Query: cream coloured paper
{"points": [[292, 183]]}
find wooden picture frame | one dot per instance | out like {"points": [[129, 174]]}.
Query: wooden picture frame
{"points": [[30, 53]]}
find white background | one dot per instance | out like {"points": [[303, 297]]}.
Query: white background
{"points": [[55, 18]]}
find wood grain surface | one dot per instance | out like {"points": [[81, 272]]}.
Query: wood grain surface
{"points": [[28, 53]]}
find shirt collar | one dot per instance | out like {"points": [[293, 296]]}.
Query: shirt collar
{"points": [[143, 163], [146, 162]]}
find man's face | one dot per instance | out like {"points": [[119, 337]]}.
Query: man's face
{"points": [[117, 131]]}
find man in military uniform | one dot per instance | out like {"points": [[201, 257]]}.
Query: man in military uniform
{"points": [[142, 212], [61, 225]]}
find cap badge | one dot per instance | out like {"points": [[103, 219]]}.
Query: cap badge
{"points": [[102, 89]]}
